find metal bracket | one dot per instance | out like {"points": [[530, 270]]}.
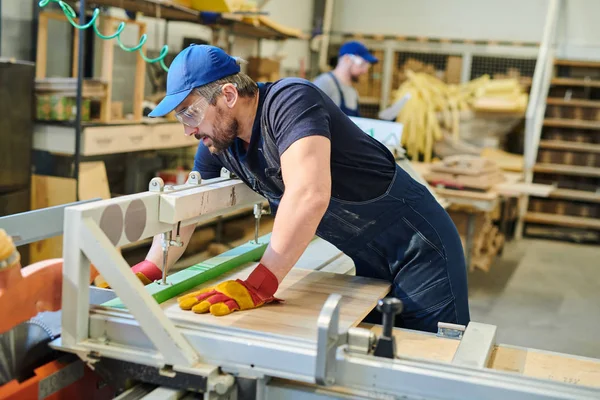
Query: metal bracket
{"points": [[450, 331], [156, 185], [194, 178], [327, 340], [476, 345], [360, 340], [225, 173]]}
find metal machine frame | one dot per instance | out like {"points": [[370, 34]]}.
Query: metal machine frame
{"points": [[215, 355]]}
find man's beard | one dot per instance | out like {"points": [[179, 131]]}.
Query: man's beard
{"points": [[354, 78], [225, 130]]}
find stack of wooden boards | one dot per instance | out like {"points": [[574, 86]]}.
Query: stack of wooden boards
{"points": [[468, 174], [465, 172], [435, 105], [487, 239], [569, 156]]}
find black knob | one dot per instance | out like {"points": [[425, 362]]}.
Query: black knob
{"points": [[389, 307]]}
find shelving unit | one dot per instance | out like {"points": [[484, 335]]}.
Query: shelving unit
{"points": [[569, 153], [78, 139]]}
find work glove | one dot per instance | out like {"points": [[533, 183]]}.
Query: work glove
{"points": [[228, 296], [146, 271]]}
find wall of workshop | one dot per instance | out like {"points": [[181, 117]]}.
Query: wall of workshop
{"points": [[510, 20]]}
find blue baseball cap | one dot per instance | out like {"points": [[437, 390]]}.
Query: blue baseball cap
{"points": [[358, 49], [195, 66]]}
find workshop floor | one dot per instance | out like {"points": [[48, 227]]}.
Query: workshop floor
{"points": [[542, 294]]}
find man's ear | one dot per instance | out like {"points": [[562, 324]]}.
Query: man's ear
{"points": [[230, 94]]}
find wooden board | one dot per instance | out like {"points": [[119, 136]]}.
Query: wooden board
{"points": [[557, 101], [505, 161], [518, 188], [93, 182], [481, 182], [577, 63], [568, 145], [571, 123], [48, 191], [574, 82], [592, 172], [453, 69], [562, 220], [419, 344], [529, 362], [571, 194], [304, 292]]}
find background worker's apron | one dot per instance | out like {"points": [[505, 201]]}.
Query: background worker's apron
{"points": [[348, 111], [403, 236]]}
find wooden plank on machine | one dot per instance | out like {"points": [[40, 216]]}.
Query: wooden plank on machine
{"points": [[529, 362], [304, 292]]}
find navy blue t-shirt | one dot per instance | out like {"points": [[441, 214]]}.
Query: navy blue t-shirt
{"points": [[361, 167]]}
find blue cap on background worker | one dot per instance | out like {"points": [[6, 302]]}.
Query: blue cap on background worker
{"points": [[354, 60]]}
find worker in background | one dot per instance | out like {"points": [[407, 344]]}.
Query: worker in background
{"points": [[322, 175], [354, 60]]}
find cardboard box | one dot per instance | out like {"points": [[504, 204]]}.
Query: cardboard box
{"points": [[263, 69], [59, 108], [116, 110]]}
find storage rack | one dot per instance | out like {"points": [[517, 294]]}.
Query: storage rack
{"points": [[78, 139], [569, 156]]}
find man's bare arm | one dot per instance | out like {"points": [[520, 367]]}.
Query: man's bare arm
{"points": [[305, 167], [155, 254]]}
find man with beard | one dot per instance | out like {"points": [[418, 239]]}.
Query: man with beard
{"points": [[354, 60], [321, 175]]}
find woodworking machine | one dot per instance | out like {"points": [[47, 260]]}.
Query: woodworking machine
{"points": [[143, 344]]}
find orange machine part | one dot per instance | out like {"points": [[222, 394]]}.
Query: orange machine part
{"points": [[26, 291], [86, 388]]}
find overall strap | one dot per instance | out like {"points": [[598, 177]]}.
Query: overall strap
{"points": [[339, 88]]}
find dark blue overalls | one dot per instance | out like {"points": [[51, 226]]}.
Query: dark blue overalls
{"points": [[403, 236], [348, 111]]}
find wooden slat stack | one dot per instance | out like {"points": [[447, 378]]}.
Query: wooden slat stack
{"points": [[473, 175], [465, 172], [487, 239], [569, 155]]}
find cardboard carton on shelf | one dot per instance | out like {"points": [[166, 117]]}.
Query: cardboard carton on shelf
{"points": [[263, 69], [50, 107]]}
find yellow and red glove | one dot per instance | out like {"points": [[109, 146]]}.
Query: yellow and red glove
{"points": [[146, 271], [229, 296]]}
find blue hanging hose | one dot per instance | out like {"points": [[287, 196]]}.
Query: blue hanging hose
{"points": [[70, 14]]}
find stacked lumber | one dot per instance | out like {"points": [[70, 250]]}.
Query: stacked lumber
{"points": [[435, 105], [465, 172], [487, 240]]}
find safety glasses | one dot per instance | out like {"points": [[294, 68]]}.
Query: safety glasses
{"points": [[193, 115]]}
